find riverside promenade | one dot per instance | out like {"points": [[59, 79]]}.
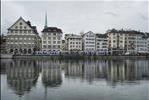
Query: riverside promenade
{"points": [[76, 57]]}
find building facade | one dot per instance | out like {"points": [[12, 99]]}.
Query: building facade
{"points": [[74, 42], [51, 39], [2, 44], [22, 38], [89, 45], [141, 44], [126, 42], [148, 44], [101, 44], [116, 42]]}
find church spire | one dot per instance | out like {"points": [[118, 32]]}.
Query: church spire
{"points": [[46, 21]]}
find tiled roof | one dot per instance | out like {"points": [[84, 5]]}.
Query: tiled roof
{"points": [[52, 29], [101, 35]]}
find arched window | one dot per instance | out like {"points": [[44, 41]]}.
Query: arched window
{"points": [[29, 51]]}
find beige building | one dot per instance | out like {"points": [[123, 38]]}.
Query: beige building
{"points": [[116, 42], [74, 42], [122, 42], [22, 38]]}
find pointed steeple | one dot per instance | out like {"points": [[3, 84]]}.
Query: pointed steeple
{"points": [[46, 21]]}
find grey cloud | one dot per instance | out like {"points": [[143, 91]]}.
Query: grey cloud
{"points": [[74, 17]]}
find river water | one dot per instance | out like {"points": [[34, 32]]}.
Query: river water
{"points": [[74, 79]]}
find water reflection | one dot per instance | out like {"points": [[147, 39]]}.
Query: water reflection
{"points": [[111, 70], [22, 75], [51, 73]]}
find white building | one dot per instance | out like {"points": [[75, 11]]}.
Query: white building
{"points": [[89, 45], [74, 42], [141, 44], [101, 44], [22, 38], [51, 40], [148, 44]]}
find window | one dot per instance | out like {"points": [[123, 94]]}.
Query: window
{"points": [[16, 31], [24, 27], [58, 38], [54, 38], [44, 46], [58, 42], [54, 33], [24, 31], [16, 27], [49, 38], [20, 27], [44, 42], [54, 42], [20, 23], [54, 46], [44, 38], [49, 42], [49, 46], [29, 31]]}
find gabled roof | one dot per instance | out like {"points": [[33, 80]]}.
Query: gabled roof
{"points": [[19, 20], [28, 23], [88, 32]]}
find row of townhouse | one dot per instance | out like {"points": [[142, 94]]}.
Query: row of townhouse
{"points": [[23, 38], [130, 42], [88, 42]]}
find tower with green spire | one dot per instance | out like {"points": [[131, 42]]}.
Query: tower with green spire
{"points": [[46, 21]]}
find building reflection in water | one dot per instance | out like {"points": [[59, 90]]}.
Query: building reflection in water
{"points": [[22, 75], [86, 70], [51, 73], [111, 70]]}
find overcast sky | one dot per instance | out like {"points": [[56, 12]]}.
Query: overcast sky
{"points": [[77, 16]]}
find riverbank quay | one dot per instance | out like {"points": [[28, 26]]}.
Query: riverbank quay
{"points": [[76, 57], [6, 56]]}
